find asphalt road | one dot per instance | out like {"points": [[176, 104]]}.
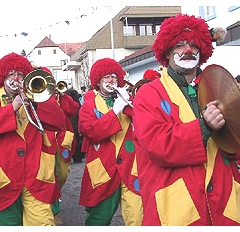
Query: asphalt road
{"points": [[72, 213]]}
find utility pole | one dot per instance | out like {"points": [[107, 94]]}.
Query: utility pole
{"points": [[111, 29]]}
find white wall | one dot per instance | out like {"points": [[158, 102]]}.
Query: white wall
{"points": [[225, 56]]}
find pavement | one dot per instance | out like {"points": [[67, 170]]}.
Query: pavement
{"points": [[72, 213]]}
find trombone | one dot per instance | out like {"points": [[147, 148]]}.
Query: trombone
{"points": [[38, 86], [61, 87]]}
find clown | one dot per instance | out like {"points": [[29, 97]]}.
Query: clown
{"points": [[27, 159], [110, 174], [184, 177]]}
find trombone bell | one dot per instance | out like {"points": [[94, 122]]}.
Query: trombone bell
{"points": [[61, 86], [39, 85]]}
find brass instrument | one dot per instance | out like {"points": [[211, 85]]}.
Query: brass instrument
{"points": [[61, 87], [38, 86]]}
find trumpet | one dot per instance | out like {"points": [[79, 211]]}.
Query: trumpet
{"points": [[119, 94], [61, 86], [38, 86]]}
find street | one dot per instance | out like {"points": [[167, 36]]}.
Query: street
{"points": [[72, 213]]}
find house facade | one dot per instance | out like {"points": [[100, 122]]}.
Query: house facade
{"points": [[224, 52], [54, 56], [132, 29]]}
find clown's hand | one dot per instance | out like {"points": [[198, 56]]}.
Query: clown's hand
{"points": [[123, 92], [119, 105]]}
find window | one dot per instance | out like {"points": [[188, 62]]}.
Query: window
{"points": [[207, 12], [145, 29], [129, 30], [157, 28], [39, 52], [54, 51]]}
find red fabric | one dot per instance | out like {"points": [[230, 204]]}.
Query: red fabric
{"points": [[14, 62], [98, 131], [180, 28], [151, 74], [22, 170], [168, 150], [70, 108], [103, 67]]}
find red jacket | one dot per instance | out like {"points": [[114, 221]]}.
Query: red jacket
{"points": [[173, 164], [26, 156], [109, 159], [66, 139]]}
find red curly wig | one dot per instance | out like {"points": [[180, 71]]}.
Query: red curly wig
{"points": [[180, 28], [103, 67], [14, 62], [151, 74]]}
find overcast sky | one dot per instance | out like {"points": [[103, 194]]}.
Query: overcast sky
{"points": [[24, 23]]}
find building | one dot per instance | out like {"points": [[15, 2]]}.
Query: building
{"points": [[216, 16], [133, 28], [54, 56]]}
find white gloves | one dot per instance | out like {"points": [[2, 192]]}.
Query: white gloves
{"points": [[119, 103]]}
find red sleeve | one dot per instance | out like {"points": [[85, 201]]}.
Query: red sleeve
{"points": [[51, 115], [69, 106], [96, 126]]}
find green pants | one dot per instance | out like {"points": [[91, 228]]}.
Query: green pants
{"points": [[13, 215], [102, 214], [56, 208]]}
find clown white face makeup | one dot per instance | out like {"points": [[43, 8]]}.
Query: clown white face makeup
{"points": [[13, 82], [186, 55], [108, 87], [186, 61], [108, 83]]}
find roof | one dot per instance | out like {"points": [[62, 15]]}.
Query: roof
{"points": [[70, 47], [149, 11], [139, 55], [233, 43], [46, 42]]}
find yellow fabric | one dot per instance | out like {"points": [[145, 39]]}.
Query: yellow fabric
{"points": [[21, 117], [185, 112], [117, 138], [131, 207], [46, 168], [46, 140], [232, 209], [186, 115], [178, 198], [63, 169], [4, 180], [68, 139], [22, 121], [97, 177], [211, 155], [134, 167], [35, 212]]}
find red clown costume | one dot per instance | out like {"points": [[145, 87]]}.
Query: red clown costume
{"points": [[27, 158], [183, 181], [110, 155]]}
